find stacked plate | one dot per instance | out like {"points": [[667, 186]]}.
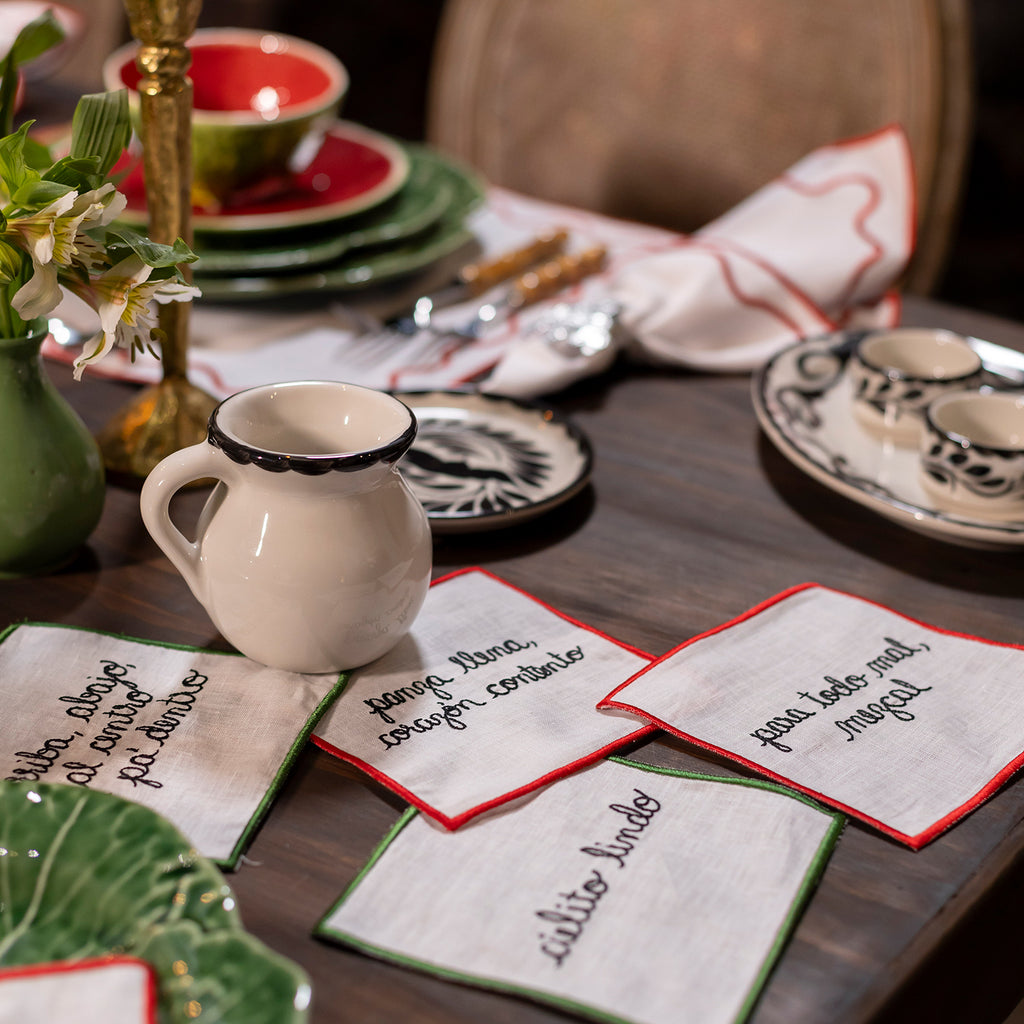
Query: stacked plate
{"points": [[367, 210]]}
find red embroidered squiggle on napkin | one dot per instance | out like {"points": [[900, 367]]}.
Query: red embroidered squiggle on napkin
{"points": [[817, 249]]}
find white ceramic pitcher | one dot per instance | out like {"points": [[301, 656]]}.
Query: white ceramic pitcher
{"points": [[311, 553]]}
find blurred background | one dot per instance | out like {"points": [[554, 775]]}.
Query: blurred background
{"points": [[387, 46]]}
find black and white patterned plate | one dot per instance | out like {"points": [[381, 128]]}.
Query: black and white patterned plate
{"points": [[482, 461], [802, 398]]}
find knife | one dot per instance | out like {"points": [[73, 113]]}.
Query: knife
{"points": [[533, 286], [476, 278]]}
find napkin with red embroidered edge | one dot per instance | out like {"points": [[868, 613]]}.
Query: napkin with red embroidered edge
{"points": [[491, 695], [818, 249], [109, 990], [904, 725]]}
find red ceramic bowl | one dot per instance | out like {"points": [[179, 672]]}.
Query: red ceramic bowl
{"points": [[260, 100]]}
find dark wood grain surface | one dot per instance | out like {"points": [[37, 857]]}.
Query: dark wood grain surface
{"points": [[692, 517]]}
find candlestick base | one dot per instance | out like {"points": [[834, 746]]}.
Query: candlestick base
{"points": [[160, 420]]}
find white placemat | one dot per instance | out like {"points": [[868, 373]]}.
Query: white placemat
{"points": [[111, 990], [625, 892], [205, 739], [490, 695], [901, 724]]}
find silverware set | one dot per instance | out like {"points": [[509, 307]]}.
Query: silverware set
{"points": [[532, 273]]}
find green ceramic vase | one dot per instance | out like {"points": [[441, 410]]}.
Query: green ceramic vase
{"points": [[51, 472]]}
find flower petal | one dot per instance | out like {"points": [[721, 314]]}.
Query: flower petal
{"points": [[40, 294], [92, 351]]}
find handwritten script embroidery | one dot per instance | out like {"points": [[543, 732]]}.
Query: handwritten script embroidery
{"points": [[452, 709], [569, 914], [891, 704], [111, 706]]}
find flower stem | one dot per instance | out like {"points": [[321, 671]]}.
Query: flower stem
{"points": [[6, 313]]}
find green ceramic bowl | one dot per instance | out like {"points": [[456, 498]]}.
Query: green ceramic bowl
{"points": [[261, 101]]}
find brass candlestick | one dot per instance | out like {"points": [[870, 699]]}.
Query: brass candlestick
{"points": [[173, 413]]}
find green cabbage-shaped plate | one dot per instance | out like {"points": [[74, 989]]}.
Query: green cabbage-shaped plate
{"points": [[372, 265], [431, 191], [84, 874]]}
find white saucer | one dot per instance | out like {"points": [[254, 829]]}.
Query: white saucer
{"points": [[803, 402], [484, 461]]}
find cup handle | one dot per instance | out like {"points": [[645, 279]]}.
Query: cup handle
{"points": [[197, 462]]}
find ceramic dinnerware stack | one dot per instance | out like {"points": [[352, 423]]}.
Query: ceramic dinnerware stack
{"points": [[354, 208]]}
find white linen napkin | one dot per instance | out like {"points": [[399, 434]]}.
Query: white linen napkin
{"points": [[816, 250], [490, 696], [623, 893], [906, 726], [203, 738], [108, 990]]}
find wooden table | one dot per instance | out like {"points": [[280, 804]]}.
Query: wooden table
{"points": [[692, 518]]}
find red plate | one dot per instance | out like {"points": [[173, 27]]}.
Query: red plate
{"points": [[355, 170]]}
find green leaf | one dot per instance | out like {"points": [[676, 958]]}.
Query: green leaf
{"points": [[37, 156], [14, 171], [86, 874], [155, 254], [34, 195], [80, 173], [35, 38], [8, 89], [101, 127]]}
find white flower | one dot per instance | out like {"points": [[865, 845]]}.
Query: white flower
{"points": [[94, 209], [55, 237], [40, 294], [40, 235], [122, 296], [99, 207], [38, 231]]}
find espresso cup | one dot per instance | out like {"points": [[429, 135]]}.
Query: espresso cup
{"points": [[972, 454], [895, 374]]}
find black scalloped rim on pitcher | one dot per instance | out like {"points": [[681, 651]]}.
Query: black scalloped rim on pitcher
{"points": [[310, 465]]}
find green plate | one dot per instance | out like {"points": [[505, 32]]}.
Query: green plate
{"points": [[427, 194], [85, 873], [371, 265]]}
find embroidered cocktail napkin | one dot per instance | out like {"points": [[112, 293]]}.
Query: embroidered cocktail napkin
{"points": [[112, 990], [625, 892], [490, 695], [204, 739], [896, 722]]}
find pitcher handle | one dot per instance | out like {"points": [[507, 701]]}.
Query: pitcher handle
{"points": [[197, 462]]}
